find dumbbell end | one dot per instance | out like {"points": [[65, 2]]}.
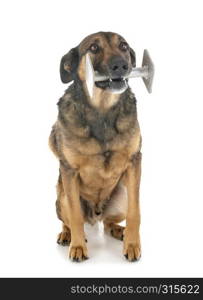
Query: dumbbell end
{"points": [[147, 62]]}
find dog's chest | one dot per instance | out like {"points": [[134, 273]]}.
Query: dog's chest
{"points": [[105, 165], [100, 146], [100, 173], [103, 161], [105, 168]]}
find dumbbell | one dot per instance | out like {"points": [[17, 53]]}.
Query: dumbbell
{"points": [[146, 72]]}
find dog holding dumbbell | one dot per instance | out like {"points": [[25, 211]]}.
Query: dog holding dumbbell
{"points": [[97, 141]]}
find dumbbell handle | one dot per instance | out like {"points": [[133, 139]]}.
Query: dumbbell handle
{"points": [[136, 72]]}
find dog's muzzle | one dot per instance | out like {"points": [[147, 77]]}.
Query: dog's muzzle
{"points": [[116, 86], [117, 70]]}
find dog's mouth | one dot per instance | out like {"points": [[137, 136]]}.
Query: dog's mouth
{"points": [[116, 85]]}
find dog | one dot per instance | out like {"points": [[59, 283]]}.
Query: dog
{"points": [[97, 141]]}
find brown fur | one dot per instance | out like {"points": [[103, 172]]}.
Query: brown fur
{"points": [[97, 142]]}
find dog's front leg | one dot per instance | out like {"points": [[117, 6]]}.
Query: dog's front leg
{"points": [[73, 213], [132, 246]]}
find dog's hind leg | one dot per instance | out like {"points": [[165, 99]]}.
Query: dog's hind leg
{"points": [[115, 230], [116, 213]]}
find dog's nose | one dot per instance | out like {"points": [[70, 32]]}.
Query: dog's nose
{"points": [[118, 67]]}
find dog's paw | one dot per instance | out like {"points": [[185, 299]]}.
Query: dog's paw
{"points": [[78, 253], [132, 251], [117, 232], [64, 238]]}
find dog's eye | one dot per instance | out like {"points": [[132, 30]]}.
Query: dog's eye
{"points": [[94, 48], [123, 46]]}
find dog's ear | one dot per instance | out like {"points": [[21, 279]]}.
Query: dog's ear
{"points": [[133, 57], [68, 65]]}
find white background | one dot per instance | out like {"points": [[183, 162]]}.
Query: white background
{"points": [[34, 36]]}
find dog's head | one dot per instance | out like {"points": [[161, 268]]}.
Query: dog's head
{"points": [[110, 55]]}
